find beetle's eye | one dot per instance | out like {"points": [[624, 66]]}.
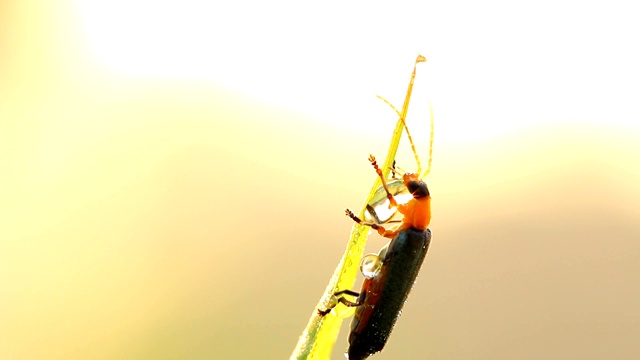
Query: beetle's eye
{"points": [[370, 265]]}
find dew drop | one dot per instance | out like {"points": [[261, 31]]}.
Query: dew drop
{"points": [[370, 265]]}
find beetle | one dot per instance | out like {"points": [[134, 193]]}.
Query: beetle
{"points": [[390, 274]]}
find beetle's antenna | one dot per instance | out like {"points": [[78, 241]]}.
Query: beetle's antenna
{"points": [[431, 119], [406, 128]]}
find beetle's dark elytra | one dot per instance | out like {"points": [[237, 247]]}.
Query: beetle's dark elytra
{"points": [[387, 293]]}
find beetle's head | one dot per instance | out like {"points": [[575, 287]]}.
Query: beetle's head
{"points": [[416, 186]]}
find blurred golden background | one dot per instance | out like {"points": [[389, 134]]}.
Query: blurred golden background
{"points": [[173, 175]]}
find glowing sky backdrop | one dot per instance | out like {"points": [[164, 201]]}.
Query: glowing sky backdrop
{"points": [[173, 175]]}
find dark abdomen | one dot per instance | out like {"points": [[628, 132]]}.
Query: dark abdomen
{"points": [[387, 293]]}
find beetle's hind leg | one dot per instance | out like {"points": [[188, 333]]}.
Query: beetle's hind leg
{"points": [[346, 302], [342, 300]]}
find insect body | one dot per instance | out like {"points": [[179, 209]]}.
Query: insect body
{"points": [[390, 274]]}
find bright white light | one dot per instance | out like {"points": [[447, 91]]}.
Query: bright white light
{"points": [[489, 72]]}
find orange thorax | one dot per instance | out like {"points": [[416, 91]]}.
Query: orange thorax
{"points": [[417, 213]]}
